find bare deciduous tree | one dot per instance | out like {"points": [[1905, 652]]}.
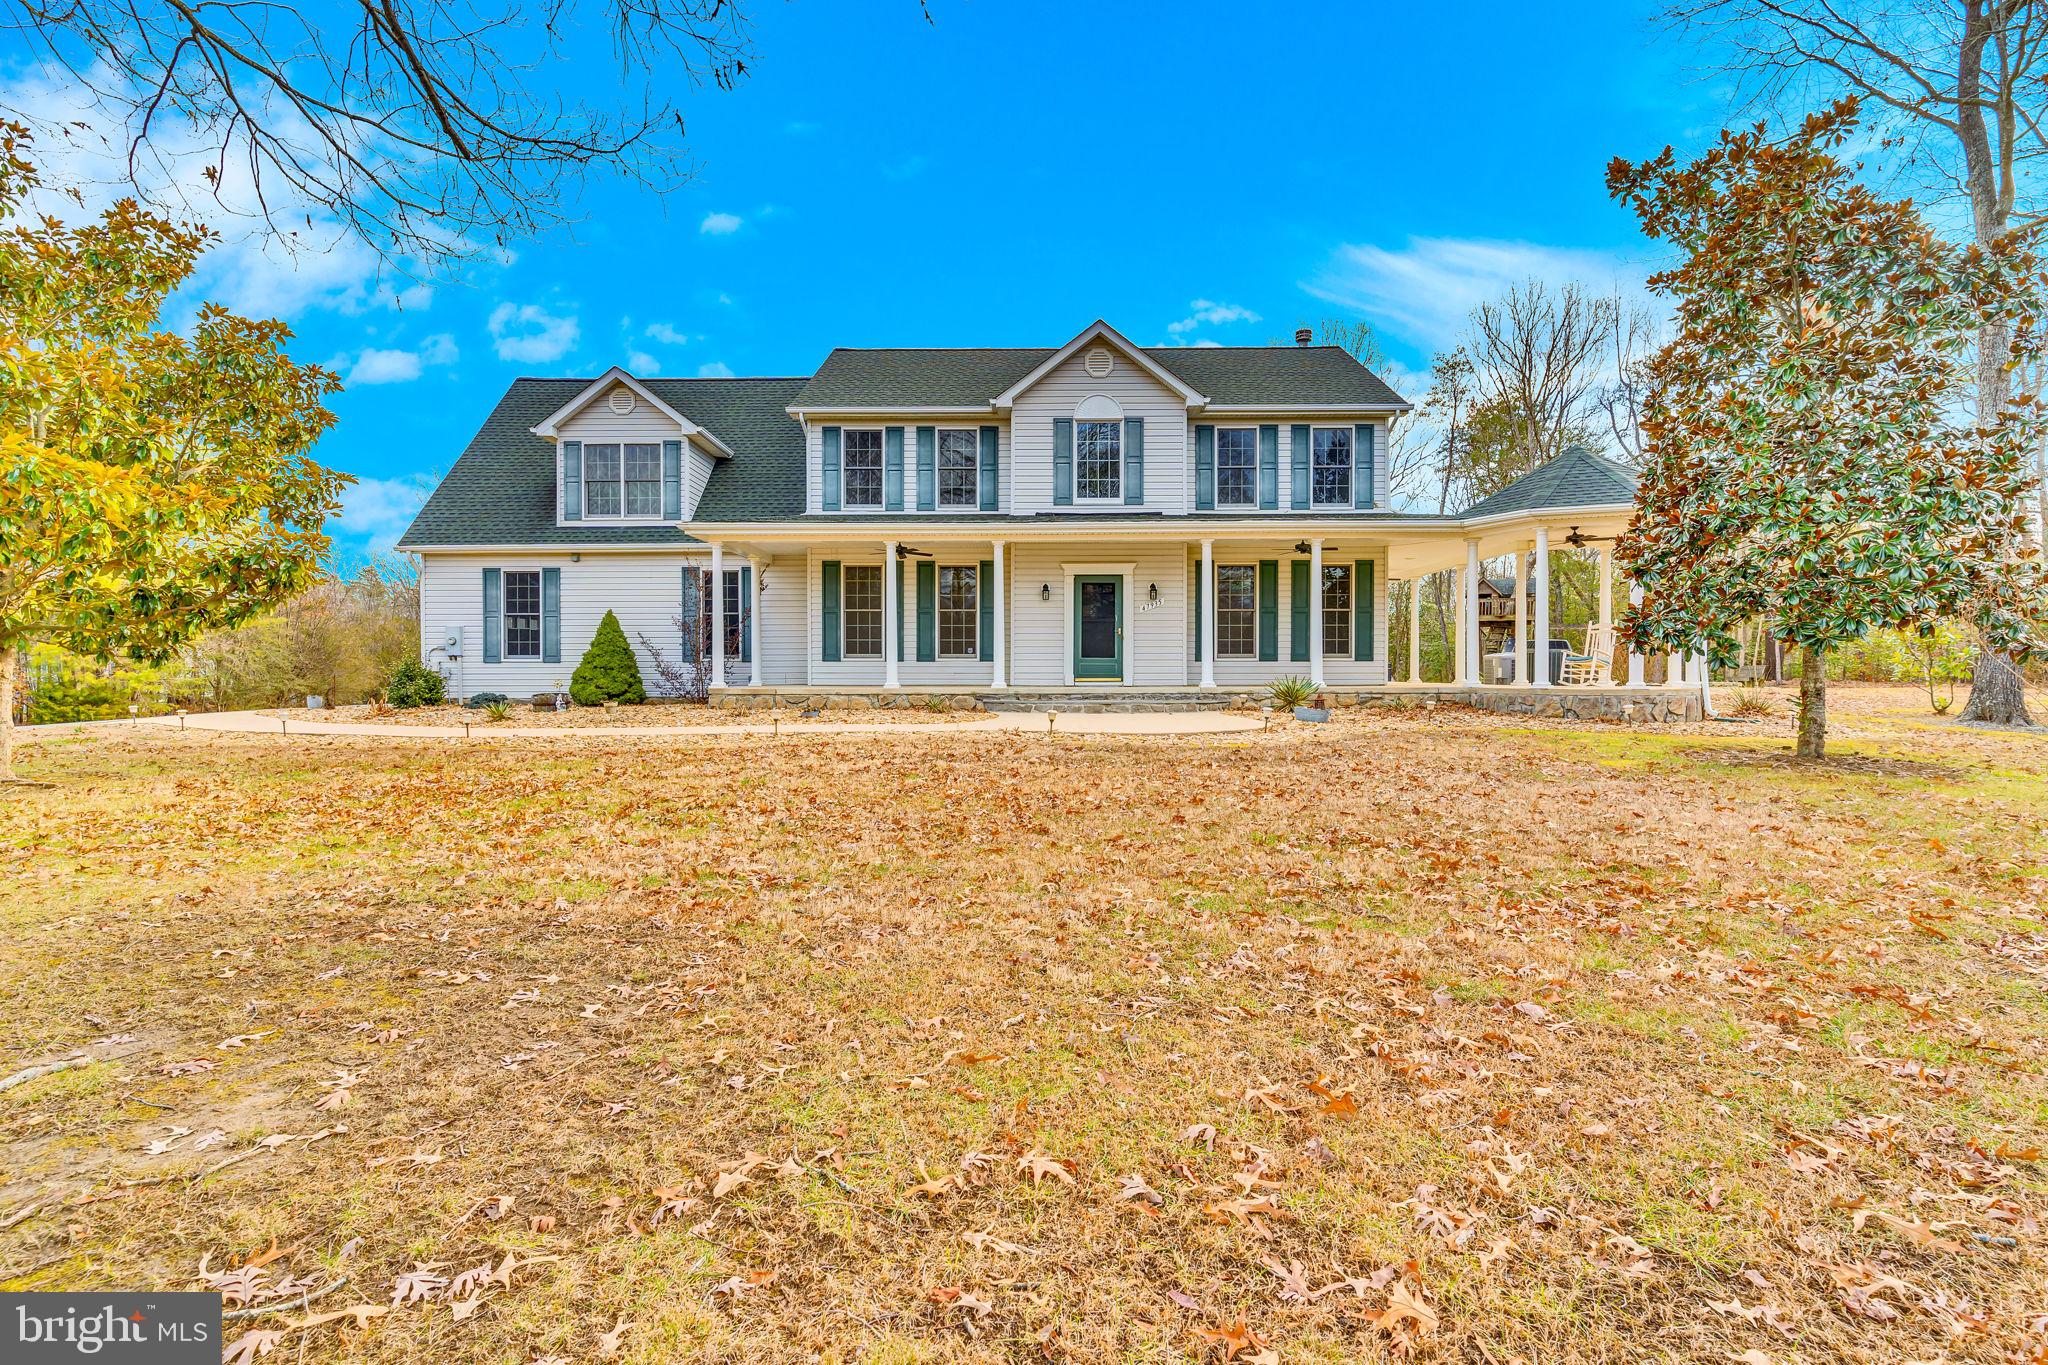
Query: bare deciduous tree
{"points": [[1450, 400], [1536, 352], [430, 130], [1632, 338], [1962, 85]]}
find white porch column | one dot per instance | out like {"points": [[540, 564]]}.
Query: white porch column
{"points": [[1207, 625], [1468, 668], [1606, 554], [1522, 656], [1457, 626], [1674, 670], [754, 618], [1315, 612], [1638, 663], [1539, 672], [1414, 630], [717, 614], [889, 652], [1000, 616]]}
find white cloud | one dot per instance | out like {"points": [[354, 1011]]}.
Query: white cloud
{"points": [[527, 331], [717, 369], [1426, 291], [376, 366], [377, 511], [308, 260], [1215, 314], [719, 224], [666, 334], [639, 362], [381, 365]]}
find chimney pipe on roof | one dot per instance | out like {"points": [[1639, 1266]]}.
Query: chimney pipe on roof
{"points": [[1302, 336]]}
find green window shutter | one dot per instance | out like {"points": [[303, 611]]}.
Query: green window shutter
{"points": [[672, 480], [892, 471], [1269, 610], [1363, 610], [1205, 468], [572, 481], [1063, 462], [494, 616], [689, 603], [1134, 461], [927, 468], [1298, 469], [991, 488], [1361, 465], [927, 611], [1299, 600], [985, 598], [828, 611], [551, 616], [1269, 467], [746, 614], [1197, 576], [831, 461]]}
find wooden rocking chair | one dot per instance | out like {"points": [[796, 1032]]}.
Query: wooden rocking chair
{"points": [[1596, 665]]}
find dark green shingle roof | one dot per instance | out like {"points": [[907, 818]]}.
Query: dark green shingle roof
{"points": [[969, 378], [502, 489], [1577, 478]]}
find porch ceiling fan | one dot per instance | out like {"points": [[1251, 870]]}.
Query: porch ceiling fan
{"points": [[1578, 540], [905, 552]]}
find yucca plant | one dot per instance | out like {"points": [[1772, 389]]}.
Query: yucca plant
{"points": [[1291, 691], [496, 710]]}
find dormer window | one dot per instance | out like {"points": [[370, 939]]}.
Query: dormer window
{"points": [[622, 480]]}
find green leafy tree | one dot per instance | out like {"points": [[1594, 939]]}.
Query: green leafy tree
{"points": [[152, 484], [1808, 457], [608, 672]]}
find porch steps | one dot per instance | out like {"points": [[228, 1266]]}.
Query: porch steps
{"points": [[1147, 699]]}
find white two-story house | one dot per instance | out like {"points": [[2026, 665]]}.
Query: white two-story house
{"points": [[1098, 518]]}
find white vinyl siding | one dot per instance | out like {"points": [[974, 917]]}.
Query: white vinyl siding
{"points": [[1339, 670], [597, 425], [814, 447], [1286, 422], [1057, 394]]}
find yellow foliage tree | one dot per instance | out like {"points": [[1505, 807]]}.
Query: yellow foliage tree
{"points": [[152, 484]]}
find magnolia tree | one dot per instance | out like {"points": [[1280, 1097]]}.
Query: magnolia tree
{"points": [[1812, 453], [152, 484]]}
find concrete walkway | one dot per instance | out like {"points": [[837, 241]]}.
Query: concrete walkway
{"points": [[293, 724]]}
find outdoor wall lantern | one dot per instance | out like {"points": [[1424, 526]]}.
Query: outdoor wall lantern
{"points": [[1152, 593], [1045, 592]]}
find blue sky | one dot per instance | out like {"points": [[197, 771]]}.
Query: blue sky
{"points": [[1194, 173]]}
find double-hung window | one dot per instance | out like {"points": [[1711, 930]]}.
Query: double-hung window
{"points": [[522, 613], [622, 480], [1330, 479], [1237, 611], [861, 610], [1237, 466], [959, 611], [959, 467], [734, 608], [1098, 461], [861, 459], [1337, 610]]}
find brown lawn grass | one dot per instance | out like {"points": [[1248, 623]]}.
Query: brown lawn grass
{"points": [[1517, 1041]]}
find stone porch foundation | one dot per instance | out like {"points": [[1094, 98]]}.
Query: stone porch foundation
{"points": [[1640, 705]]}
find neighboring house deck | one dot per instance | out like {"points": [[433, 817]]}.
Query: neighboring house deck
{"points": [[1097, 522]]}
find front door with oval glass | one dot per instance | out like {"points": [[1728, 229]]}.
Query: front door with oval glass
{"points": [[1098, 628]]}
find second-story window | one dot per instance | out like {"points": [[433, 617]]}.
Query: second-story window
{"points": [[1237, 466], [622, 480], [861, 453], [1331, 477], [959, 467], [1098, 460]]}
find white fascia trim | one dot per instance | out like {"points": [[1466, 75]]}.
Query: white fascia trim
{"points": [[1100, 331], [530, 549], [1367, 410], [1180, 529], [1532, 515], [819, 414], [551, 428]]}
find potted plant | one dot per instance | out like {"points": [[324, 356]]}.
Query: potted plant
{"points": [[1299, 695]]}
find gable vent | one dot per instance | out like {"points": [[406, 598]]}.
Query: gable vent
{"points": [[1099, 362], [622, 401]]}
